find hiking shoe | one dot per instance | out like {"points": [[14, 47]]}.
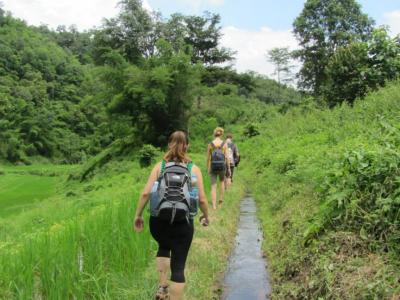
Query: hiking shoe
{"points": [[162, 293]]}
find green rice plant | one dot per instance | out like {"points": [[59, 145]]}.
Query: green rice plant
{"points": [[19, 192], [76, 259]]}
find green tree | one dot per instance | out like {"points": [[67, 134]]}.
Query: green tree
{"points": [[132, 33], [158, 97], [202, 33], [360, 67], [322, 27], [281, 57], [78, 43], [2, 12], [215, 75]]}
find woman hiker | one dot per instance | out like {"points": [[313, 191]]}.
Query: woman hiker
{"points": [[172, 231]]}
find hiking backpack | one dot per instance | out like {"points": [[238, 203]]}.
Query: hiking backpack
{"points": [[235, 157], [231, 154], [170, 196], [217, 158]]}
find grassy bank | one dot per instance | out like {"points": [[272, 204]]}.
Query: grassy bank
{"points": [[326, 184]]}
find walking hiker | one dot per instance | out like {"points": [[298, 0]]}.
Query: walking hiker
{"points": [[233, 158], [175, 187], [217, 164]]}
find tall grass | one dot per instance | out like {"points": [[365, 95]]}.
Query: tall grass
{"points": [[84, 243], [78, 258]]}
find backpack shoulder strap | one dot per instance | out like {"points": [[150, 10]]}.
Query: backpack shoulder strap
{"points": [[190, 166], [163, 164]]}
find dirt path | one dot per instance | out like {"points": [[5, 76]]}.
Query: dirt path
{"points": [[246, 277]]}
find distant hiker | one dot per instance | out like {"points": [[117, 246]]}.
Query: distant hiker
{"points": [[175, 187], [233, 157], [218, 166]]}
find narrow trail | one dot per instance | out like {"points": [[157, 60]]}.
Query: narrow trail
{"points": [[246, 277]]}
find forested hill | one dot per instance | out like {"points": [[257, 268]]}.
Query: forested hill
{"points": [[66, 95], [45, 105]]}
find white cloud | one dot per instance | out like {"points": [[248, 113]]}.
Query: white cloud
{"points": [[147, 6], [85, 14], [197, 5], [392, 19], [252, 46]]}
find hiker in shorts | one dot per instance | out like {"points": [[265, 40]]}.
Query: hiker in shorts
{"points": [[233, 158], [173, 227], [217, 164]]}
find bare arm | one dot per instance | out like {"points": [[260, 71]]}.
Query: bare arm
{"points": [[208, 156], [202, 195], [144, 196]]}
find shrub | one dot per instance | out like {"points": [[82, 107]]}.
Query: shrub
{"points": [[70, 194], [30, 150], [250, 130], [146, 155], [363, 194], [262, 163], [286, 165]]}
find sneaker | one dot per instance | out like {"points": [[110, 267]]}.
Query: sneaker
{"points": [[162, 293]]}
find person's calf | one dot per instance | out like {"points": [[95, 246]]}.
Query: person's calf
{"points": [[214, 196], [163, 267], [176, 290]]}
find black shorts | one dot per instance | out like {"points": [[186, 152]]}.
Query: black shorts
{"points": [[215, 175]]}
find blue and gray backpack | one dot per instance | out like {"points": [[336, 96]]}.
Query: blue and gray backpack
{"points": [[171, 193], [217, 157]]}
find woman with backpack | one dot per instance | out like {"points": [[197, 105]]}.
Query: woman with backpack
{"points": [[171, 225], [218, 165]]}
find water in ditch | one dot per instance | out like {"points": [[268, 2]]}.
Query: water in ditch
{"points": [[246, 277]]}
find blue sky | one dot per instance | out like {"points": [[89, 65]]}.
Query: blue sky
{"points": [[254, 14], [250, 27]]}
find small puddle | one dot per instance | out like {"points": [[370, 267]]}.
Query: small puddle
{"points": [[246, 277]]}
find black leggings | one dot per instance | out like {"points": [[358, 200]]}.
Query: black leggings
{"points": [[174, 241]]}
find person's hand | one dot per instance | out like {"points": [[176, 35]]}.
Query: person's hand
{"points": [[204, 220], [138, 224]]}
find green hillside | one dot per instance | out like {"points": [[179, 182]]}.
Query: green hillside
{"points": [[327, 185]]}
